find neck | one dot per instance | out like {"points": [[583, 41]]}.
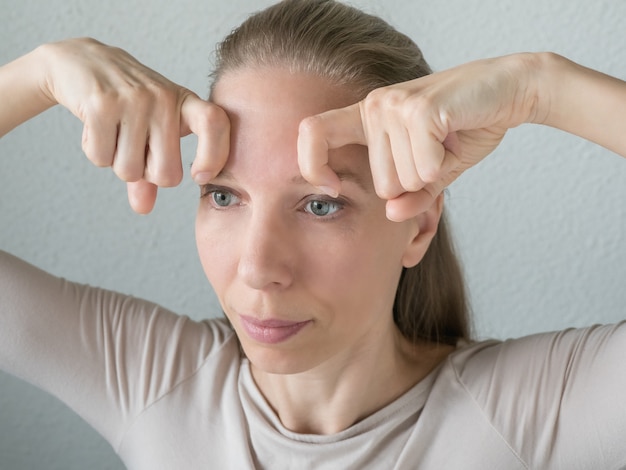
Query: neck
{"points": [[339, 393]]}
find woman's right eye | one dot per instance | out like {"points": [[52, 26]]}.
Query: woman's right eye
{"points": [[220, 198]]}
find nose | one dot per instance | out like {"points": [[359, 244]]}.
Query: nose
{"points": [[267, 258]]}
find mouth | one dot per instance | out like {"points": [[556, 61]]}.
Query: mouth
{"points": [[271, 331]]}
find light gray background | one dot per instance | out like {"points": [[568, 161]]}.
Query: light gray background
{"points": [[539, 224]]}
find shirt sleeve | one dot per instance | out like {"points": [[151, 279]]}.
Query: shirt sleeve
{"points": [[559, 399], [106, 355]]}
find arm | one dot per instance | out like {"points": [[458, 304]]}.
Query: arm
{"points": [[106, 355], [583, 102], [22, 91], [556, 398]]}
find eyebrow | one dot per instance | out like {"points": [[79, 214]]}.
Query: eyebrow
{"points": [[343, 174]]}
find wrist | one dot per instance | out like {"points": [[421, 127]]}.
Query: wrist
{"points": [[549, 76], [535, 75], [39, 64]]}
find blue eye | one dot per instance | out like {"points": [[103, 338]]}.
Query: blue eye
{"points": [[322, 208], [222, 198]]}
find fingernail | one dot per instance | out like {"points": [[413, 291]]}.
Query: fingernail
{"points": [[203, 177], [329, 191]]}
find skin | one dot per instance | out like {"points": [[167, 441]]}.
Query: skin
{"points": [[267, 255]]}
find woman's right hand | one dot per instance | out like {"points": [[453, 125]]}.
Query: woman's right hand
{"points": [[133, 117]]}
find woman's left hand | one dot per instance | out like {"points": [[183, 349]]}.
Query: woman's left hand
{"points": [[424, 133]]}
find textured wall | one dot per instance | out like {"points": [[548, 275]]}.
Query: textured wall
{"points": [[539, 224]]}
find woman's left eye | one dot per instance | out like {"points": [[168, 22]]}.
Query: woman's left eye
{"points": [[321, 208]]}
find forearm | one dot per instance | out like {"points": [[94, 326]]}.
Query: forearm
{"points": [[582, 101], [21, 90]]}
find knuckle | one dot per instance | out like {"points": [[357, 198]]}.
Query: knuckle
{"points": [[127, 173], [376, 96], [96, 155], [213, 118], [98, 159], [384, 193], [385, 188], [311, 126], [430, 174], [385, 98], [395, 98], [418, 108], [411, 182], [169, 177], [102, 103], [374, 101]]}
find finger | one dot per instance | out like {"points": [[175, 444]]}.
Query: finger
{"points": [[130, 155], [318, 134], [99, 140], [404, 160], [427, 136], [212, 126], [409, 204], [384, 172], [141, 196], [163, 163]]}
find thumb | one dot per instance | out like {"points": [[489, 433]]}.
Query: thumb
{"points": [[212, 126], [320, 133]]}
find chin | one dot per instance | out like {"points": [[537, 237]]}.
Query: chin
{"points": [[276, 360]]}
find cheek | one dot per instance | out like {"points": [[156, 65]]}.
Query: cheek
{"points": [[358, 269], [216, 253]]}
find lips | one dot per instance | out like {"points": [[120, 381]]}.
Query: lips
{"points": [[271, 331]]}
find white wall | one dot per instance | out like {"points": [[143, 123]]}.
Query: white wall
{"points": [[539, 224]]}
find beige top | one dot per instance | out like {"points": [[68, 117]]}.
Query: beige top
{"points": [[171, 393]]}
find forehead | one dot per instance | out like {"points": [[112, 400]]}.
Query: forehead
{"points": [[277, 91], [266, 106]]}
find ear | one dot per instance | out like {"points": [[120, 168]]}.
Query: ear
{"points": [[424, 228]]}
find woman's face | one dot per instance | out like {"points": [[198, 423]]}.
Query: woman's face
{"points": [[304, 279]]}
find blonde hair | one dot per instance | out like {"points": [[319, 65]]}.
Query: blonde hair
{"points": [[351, 48]]}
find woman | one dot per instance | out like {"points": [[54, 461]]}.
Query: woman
{"points": [[346, 345]]}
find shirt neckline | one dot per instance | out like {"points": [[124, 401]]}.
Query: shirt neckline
{"points": [[410, 402]]}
